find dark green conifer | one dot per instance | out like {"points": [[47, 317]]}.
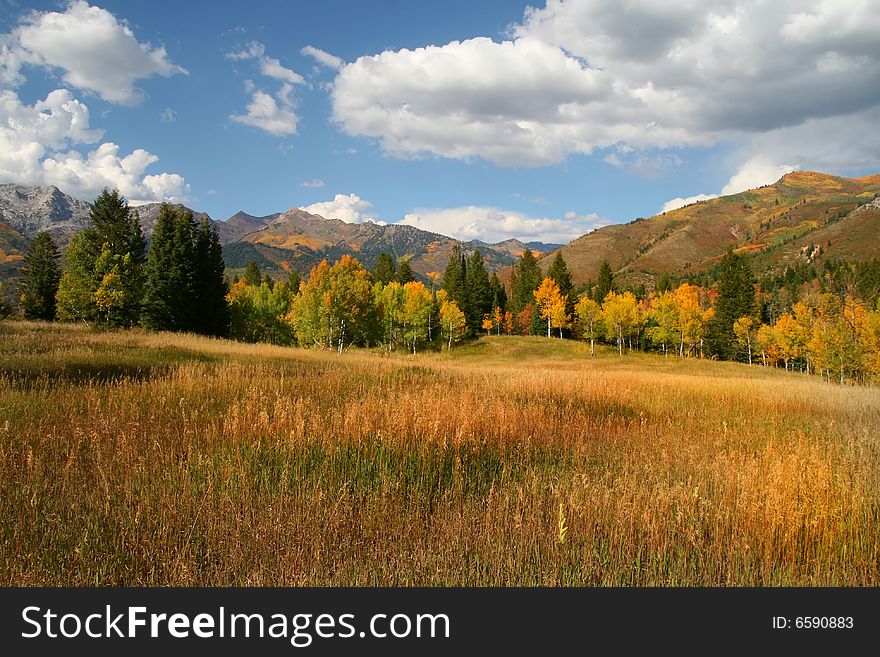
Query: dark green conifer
{"points": [[39, 282]]}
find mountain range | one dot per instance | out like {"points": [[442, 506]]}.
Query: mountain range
{"points": [[279, 242], [803, 217]]}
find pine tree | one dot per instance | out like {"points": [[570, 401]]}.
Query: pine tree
{"points": [[527, 278], [118, 227], [385, 269], [453, 277], [479, 293], [5, 306], [105, 266], [212, 315], [294, 281], [40, 277], [404, 273], [252, 274], [736, 299], [170, 289], [79, 282], [499, 295], [560, 275], [605, 284], [664, 283]]}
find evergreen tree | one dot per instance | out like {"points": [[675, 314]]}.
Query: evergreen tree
{"points": [[560, 274], [404, 272], [118, 227], [527, 278], [736, 298], [499, 295], [454, 276], [5, 306], [105, 266], [212, 314], [385, 269], [664, 283], [294, 281], [79, 282], [39, 283], [252, 274], [605, 284], [169, 297], [479, 293]]}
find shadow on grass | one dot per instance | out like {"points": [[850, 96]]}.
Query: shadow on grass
{"points": [[104, 369]]}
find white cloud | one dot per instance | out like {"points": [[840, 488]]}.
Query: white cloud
{"points": [[753, 173], [97, 52], [315, 183], [323, 58], [272, 68], [680, 202], [651, 74], [643, 164], [494, 225], [273, 114], [349, 208], [269, 66], [277, 117], [516, 102], [466, 223], [33, 139], [168, 115], [756, 172]]}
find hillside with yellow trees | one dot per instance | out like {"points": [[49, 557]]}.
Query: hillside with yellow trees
{"points": [[804, 216]]}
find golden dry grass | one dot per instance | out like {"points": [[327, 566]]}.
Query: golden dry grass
{"points": [[158, 459]]}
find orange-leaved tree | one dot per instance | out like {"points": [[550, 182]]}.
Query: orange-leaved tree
{"points": [[551, 305]]}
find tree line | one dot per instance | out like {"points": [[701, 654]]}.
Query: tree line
{"points": [[112, 279], [830, 325]]}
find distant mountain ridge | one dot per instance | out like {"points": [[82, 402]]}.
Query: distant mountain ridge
{"points": [[278, 242], [774, 224]]}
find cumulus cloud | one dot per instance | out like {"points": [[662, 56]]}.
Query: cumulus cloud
{"points": [[97, 52], [275, 114], [269, 66], [755, 172], [494, 225], [323, 58], [315, 183], [349, 208], [679, 202], [35, 149], [466, 223], [578, 75]]}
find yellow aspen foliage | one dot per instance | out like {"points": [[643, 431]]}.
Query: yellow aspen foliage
{"points": [[620, 315], [497, 319], [507, 326], [746, 330], [453, 323], [488, 323], [551, 305], [588, 313]]}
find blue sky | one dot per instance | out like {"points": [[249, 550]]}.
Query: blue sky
{"points": [[478, 120]]}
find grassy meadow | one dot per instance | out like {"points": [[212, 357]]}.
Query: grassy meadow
{"points": [[157, 459]]}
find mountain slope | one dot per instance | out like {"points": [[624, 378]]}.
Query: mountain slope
{"points": [[771, 223], [297, 239], [277, 242]]}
